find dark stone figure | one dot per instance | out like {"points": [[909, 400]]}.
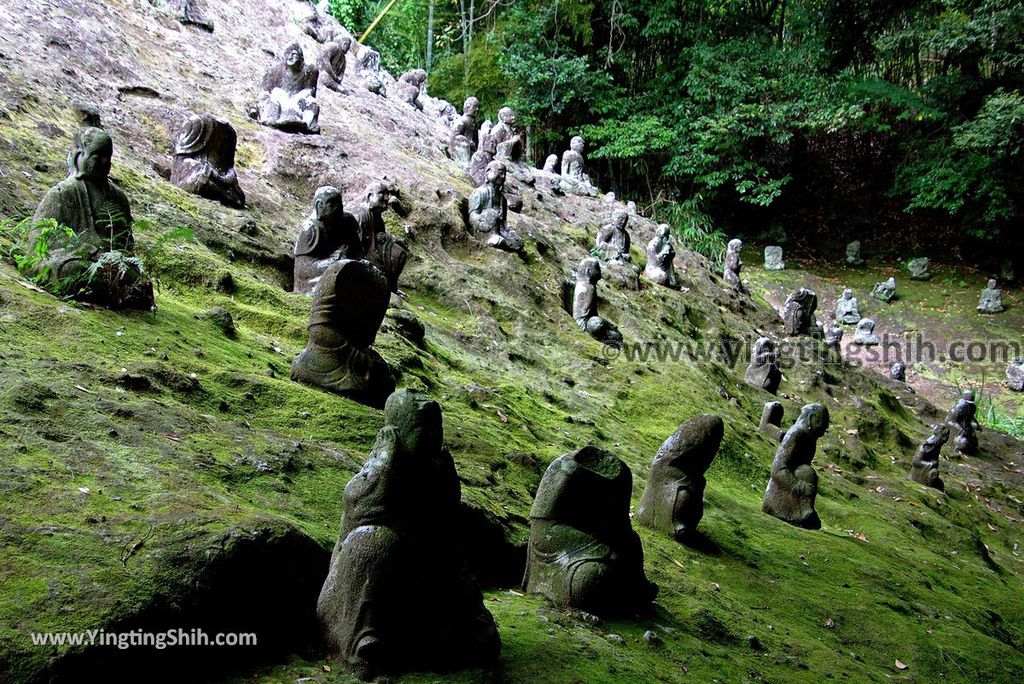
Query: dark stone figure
{"points": [[794, 483], [771, 421], [991, 299], [898, 371], [574, 174], [95, 264], [853, 257], [508, 145], [398, 595], [488, 212], [733, 265], [462, 142], [918, 268], [1015, 374], [961, 419], [613, 239], [661, 256], [204, 160], [349, 304], [798, 313], [763, 370], [885, 291], [925, 466], [332, 62], [378, 246], [847, 308], [287, 98], [327, 235], [673, 500], [410, 84], [584, 304], [583, 552]]}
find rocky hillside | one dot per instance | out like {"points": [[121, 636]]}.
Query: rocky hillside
{"points": [[157, 472]]}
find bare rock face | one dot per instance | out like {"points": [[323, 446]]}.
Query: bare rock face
{"points": [[398, 595], [798, 313], [794, 483], [925, 466], [190, 13], [583, 552], [328, 235], [673, 501], [204, 160], [961, 418], [763, 370], [287, 98]]}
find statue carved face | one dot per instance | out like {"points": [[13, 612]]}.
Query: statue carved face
{"points": [[992, 284], [507, 116], [328, 202], [470, 107], [815, 417], [847, 293], [576, 144], [969, 395], [417, 418], [377, 196], [663, 231], [345, 43], [621, 218], [496, 174], [735, 245], [589, 271], [93, 155], [293, 57]]}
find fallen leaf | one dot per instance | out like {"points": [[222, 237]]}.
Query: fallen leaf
{"points": [[84, 490], [900, 665], [325, 668], [501, 416], [82, 389]]}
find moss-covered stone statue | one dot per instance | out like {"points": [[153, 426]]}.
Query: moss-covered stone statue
{"points": [[329, 234], [965, 428], [379, 247], [398, 595], [93, 259], [204, 160], [1015, 374], [925, 466], [583, 552], [763, 370], [575, 178], [349, 303], [794, 483], [287, 98], [584, 304], [853, 257], [673, 500], [884, 291], [613, 241], [661, 256], [488, 212], [991, 301], [733, 265], [798, 312]]}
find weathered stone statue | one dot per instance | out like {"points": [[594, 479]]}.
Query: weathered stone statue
{"points": [[925, 466], [833, 335], [378, 246], [583, 552], [961, 419], [798, 313], [332, 62], [584, 304], [409, 86], [865, 333], [733, 264], [771, 421], [661, 257], [991, 300], [287, 98], [328, 235], [462, 142], [313, 23], [773, 258], [204, 160], [613, 239], [853, 254], [96, 264], [574, 176], [763, 370], [898, 371], [349, 303], [398, 595], [794, 484], [508, 145], [673, 500], [885, 291], [488, 212], [551, 164], [847, 308], [918, 268], [1015, 374]]}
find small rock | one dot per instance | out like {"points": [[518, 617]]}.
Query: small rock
{"points": [[754, 643], [615, 639], [222, 319], [652, 638], [830, 623]]}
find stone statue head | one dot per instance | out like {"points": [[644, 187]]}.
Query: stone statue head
{"points": [[664, 230], [992, 284], [609, 197], [496, 174], [940, 434], [968, 395], [506, 115], [91, 154], [815, 418], [576, 144], [589, 271], [293, 57], [847, 293], [620, 218], [735, 245], [376, 195], [551, 162], [327, 202], [344, 42], [470, 106], [417, 420]]}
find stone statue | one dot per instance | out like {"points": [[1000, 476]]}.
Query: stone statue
{"points": [[204, 160], [349, 303], [398, 594], [613, 239], [798, 313], [583, 552], [961, 419], [409, 86], [378, 246], [332, 62], [794, 484], [661, 257], [773, 258], [96, 263], [847, 308], [584, 304], [574, 175], [763, 370], [287, 98], [462, 142], [488, 212], [551, 164], [853, 254], [1015, 374], [313, 23], [865, 333], [925, 466], [919, 268], [886, 291], [733, 264], [991, 299], [898, 371], [833, 335], [508, 145], [328, 235], [367, 62], [673, 500], [771, 421]]}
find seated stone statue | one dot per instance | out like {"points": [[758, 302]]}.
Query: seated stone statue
{"points": [[551, 164], [349, 304], [398, 594], [833, 335], [462, 142], [763, 370], [853, 254], [773, 258], [584, 304], [661, 256], [574, 176], [508, 145], [673, 500], [378, 246], [898, 371], [847, 308], [865, 333], [488, 212], [733, 264], [1015, 374], [798, 313], [794, 484], [204, 160], [483, 156], [918, 268], [925, 466], [287, 98], [991, 299], [95, 264], [409, 86], [885, 291], [613, 239], [328, 235], [332, 62], [583, 552], [965, 428], [771, 421]]}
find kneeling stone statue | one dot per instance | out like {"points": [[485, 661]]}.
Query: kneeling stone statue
{"points": [[794, 484]]}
